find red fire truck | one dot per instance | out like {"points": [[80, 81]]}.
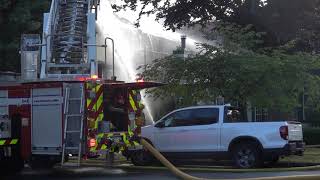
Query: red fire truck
{"points": [[42, 122], [63, 104]]}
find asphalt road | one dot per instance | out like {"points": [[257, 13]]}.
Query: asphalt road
{"points": [[94, 173]]}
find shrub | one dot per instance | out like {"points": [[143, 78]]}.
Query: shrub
{"points": [[311, 135]]}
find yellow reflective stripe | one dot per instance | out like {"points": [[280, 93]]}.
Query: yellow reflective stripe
{"points": [[96, 124], [14, 141], [97, 88], [99, 137], [89, 85], [130, 133], [135, 143], [99, 118], [111, 149], [93, 149], [109, 135], [103, 147], [88, 102], [125, 139], [99, 102], [133, 105], [2, 142]]}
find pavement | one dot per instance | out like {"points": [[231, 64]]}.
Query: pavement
{"points": [[106, 173], [96, 169]]}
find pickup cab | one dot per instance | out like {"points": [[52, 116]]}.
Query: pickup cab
{"points": [[218, 132]]}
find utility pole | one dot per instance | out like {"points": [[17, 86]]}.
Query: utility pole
{"points": [[303, 104]]}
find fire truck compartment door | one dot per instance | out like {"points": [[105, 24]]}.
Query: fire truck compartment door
{"points": [[47, 120], [5, 122]]}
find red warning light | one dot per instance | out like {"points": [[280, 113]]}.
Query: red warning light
{"points": [[140, 80], [81, 78], [92, 143]]}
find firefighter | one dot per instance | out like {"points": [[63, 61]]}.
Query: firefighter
{"points": [[117, 112]]}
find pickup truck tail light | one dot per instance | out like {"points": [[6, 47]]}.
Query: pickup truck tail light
{"points": [[283, 130]]}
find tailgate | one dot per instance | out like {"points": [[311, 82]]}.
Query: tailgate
{"points": [[295, 131]]}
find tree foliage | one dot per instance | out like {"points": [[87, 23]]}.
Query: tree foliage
{"points": [[179, 13], [282, 20], [18, 17], [239, 72]]}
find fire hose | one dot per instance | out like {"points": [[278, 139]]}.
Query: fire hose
{"points": [[185, 176]]}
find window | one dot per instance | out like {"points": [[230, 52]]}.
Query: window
{"points": [[233, 115], [191, 117], [205, 116], [261, 114]]}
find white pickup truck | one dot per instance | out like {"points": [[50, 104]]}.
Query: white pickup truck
{"points": [[218, 132]]}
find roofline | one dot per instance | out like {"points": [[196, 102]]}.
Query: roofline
{"points": [[203, 106]]}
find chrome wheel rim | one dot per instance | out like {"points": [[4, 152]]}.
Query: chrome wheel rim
{"points": [[245, 157]]}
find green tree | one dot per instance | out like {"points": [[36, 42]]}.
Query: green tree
{"points": [[18, 17], [177, 14], [239, 72], [282, 20]]}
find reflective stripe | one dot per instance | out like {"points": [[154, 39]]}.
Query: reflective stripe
{"points": [[133, 105], [14, 141], [93, 149], [95, 105], [2, 142], [8, 142], [125, 139], [135, 143], [103, 147], [100, 98], [88, 102]]}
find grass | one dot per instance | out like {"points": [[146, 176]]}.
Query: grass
{"points": [[311, 155]]}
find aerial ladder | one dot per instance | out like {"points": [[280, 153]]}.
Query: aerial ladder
{"points": [[69, 38]]}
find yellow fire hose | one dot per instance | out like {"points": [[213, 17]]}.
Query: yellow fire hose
{"points": [[185, 176]]}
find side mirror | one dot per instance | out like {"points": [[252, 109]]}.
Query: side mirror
{"points": [[160, 125]]}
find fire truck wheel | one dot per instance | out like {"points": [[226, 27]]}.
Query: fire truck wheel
{"points": [[141, 158], [13, 166], [18, 166]]}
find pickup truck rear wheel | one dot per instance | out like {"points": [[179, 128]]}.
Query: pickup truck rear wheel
{"points": [[247, 155]]}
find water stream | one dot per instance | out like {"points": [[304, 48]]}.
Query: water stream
{"points": [[134, 47]]}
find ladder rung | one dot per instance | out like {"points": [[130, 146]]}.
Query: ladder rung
{"points": [[73, 131], [74, 99], [72, 148], [74, 115]]}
